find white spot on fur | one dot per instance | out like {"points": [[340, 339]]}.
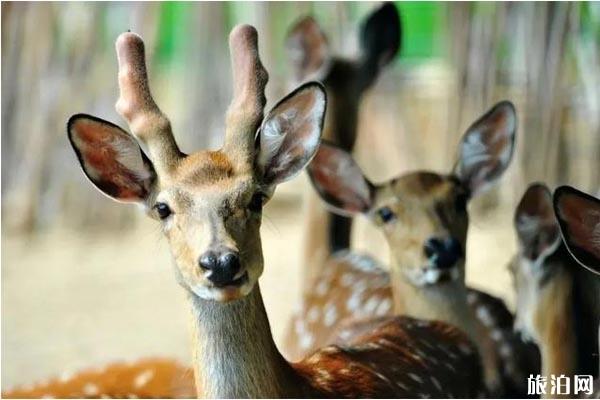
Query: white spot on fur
{"points": [[330, 314], [132, 396], [415, 377], [465, 349], [505, 350], [436, 383], [313, 314], [450, 366], [354, 301], [299, 327], [371, 304], [471, 298], [48, 396], [384, 307], [484, 315], [322, 287], [401, 385], [496, 335], [142, 379], [306, 340], [347, 279], [90, 389]]}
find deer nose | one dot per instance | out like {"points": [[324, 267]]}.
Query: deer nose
{"points": [[443, 252], [221, 267]]}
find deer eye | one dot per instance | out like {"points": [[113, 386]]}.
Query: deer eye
{"points": [[163, 210], [386, 214], [256, 203]]}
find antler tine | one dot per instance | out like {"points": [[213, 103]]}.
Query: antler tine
{"points": [[249, 80], [137, 107]]}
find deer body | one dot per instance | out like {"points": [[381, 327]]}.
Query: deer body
{"points": [[209, 206]]}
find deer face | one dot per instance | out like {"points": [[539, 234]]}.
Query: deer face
{"points": [[345, 79], [536, 266], [424, 219], [422, 214], [208, 203]]}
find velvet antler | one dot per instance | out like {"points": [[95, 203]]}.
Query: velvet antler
{"points": [[137, 107], [249, 80]]}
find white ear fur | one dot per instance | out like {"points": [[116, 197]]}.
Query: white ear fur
{"points": [[486, 148], [290, 133]]}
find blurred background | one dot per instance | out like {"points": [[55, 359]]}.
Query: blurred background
{"points": [[86, 281]]}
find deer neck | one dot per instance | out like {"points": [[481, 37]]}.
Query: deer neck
{"points": [[445, 302], [234, 352], [556, 327]]}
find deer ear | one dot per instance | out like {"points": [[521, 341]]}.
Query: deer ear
{"points": [[111, 158], [486, 149], [307, 47], [578, 214], [380, 35], [339, 181], [290, 133], [535, 223]]}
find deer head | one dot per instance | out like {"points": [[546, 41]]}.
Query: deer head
{"points": [[345, 79], [578, 214], [208, 203], [537, 262], [423, 215]]}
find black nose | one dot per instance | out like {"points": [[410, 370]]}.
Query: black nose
{"points": [[443, 252], [221, 267]]}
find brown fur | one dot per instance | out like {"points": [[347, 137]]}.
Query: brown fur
{"points": [[148, 378]]}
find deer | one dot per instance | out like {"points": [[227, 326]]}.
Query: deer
{"points": [[346, 80], [423, 216], [558, 306], [578, 215], [209, 206]]}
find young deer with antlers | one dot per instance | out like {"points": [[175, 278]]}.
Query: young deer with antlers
{"points": [[209, 205], [424, 218], [345, 80], [558, 305]]}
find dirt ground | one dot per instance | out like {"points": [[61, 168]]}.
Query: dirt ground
{"points": [[74, 299]]}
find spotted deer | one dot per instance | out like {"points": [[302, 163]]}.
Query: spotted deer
{"points": [[209, 207], [345, 80], [423, 216], [558, 304]]}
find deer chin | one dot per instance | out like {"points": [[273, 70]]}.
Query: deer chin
{"points": [[237, 289], [430, 275]]}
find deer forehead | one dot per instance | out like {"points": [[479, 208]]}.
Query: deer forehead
{"points": [[418, 188], [210, 172], [207, 178]]}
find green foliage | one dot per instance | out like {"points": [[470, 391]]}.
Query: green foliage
{"points": [[423, 29]]}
